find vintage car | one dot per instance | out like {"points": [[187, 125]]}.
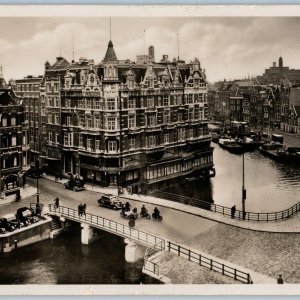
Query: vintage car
{"points": [[110, 201], [11, 223], [25, 215], [75, 185], [33, 172]]}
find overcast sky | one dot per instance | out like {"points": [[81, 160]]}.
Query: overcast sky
{"points": [[226, 47]]}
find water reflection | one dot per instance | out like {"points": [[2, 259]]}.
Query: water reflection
{"points": [[66, 261], [270, 186]]}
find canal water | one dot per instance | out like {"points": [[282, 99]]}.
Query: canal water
{"points": [[270, 186], [65, 260]]}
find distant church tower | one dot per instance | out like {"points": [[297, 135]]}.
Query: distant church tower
{"points": [[280, 62]]}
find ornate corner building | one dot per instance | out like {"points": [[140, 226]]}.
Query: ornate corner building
{"points": [[124, 123]]}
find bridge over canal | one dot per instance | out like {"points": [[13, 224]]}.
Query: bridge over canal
{"points": [[137, 240]]}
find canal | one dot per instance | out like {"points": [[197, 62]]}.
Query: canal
{"points": [[270, 186], [65, 260]]}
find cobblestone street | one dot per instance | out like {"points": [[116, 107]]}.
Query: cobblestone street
{"points": [[263, 252]]}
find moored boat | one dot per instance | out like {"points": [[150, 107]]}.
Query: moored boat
{"points": [[281, 154], [230, 145]]}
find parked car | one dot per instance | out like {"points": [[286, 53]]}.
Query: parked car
{"points": [[25, 215], [11, 223], [110, 201], [33, 172], [75, 184]]}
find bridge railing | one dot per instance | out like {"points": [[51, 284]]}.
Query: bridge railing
{"points": [[209, 263], [249, 216], [109, 225], [150, 265]]}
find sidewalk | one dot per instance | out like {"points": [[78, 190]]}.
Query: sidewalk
{"points": [[291, 225], [26, 191]]}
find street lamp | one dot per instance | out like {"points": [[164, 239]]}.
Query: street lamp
{"points": [[243, 190], [37, 166]]}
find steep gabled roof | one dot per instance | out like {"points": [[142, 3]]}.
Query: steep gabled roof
{"points": [[110, 55]]}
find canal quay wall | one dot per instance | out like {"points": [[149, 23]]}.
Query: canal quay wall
{"points": [[25, 236]]}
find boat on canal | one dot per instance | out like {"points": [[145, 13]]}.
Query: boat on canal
{"points": [[281, 154], [230, 145], [250, 144]]}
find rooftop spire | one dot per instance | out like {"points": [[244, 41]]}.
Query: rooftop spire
{"points": [[110, 55]]}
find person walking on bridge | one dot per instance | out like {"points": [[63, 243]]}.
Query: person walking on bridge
{"points": [[83, 208], [233, 210]]}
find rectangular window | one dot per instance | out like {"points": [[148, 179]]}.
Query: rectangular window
{"points": [[166, 116], [131, 141], [167, 138], [151, 120], [13, 121], [81, 103], [179, 99], [57, 138], [112, 146], [190, 98], [68, 103], [68, 139], [50, 136], [89, 121], [97, 104], [150, 102], [88, 104], [150, 83], [111, 104], [151, 141], [180, 116], [15, 162], [97, 121], [131, 103], [181, 134], [49, 118], [111, 123], [4, 122], [82, 121], [56, 118], [14, 141], [97, 145], [88, 144], [80, 141], [165, 100], [131, 121], [191, 113], [56, 102], [69, 123]]}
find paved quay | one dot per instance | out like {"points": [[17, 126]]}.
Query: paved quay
{"points": [[290, 225]]}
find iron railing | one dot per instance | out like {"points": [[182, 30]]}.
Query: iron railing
{"points": [[148, 264], [209, 263], [249, 216], [143, 237]]}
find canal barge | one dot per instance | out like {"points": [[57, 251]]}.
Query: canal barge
{"points": [[231, 145], [278, 153]]}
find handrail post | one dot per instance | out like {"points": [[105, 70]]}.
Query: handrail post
{"points": [[211, 263], [200, 262], [178, 250], [189, 254], [223, 269], [169, 246], [234, 274]]}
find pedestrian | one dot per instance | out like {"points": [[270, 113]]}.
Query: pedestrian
{"points": [[80, 210], [233, 210], [56, 202], [279, 279], [83, 208], [56, 176]]}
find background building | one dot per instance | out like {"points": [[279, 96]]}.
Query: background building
{"points": [[13, 136]]}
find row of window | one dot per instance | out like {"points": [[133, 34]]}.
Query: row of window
{"points": [[6, 121], [175, 167], [10, 161]]}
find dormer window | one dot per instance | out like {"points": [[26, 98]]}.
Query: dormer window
{"points": [[196, 82], [130, 83], [150, 83]]}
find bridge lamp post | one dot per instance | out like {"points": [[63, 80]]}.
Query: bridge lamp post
{"points": [[243, 190]]}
